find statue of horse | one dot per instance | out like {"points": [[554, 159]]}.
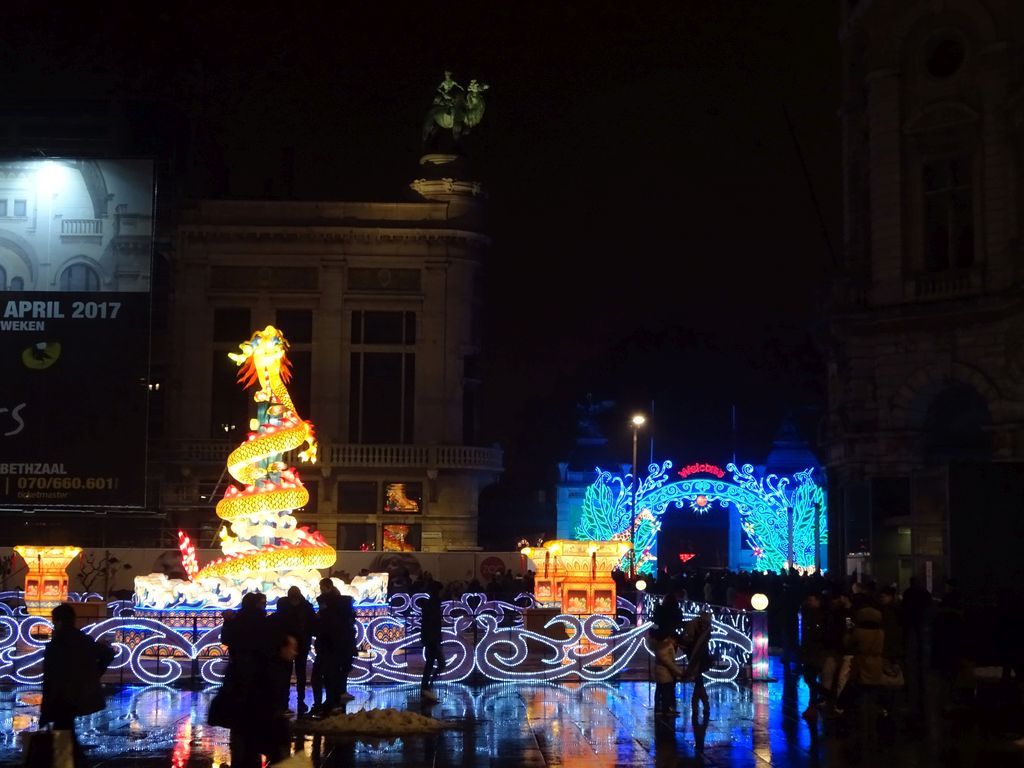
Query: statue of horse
{"points": [[460, 114]]}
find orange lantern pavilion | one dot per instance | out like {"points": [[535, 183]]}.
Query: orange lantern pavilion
{"points": [[577, 575], [46, 583]]}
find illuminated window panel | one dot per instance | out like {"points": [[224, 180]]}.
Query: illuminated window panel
{"points": [[403, 498]]}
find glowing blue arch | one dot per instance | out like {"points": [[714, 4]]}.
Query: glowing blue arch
{"points": [[767, 504]]}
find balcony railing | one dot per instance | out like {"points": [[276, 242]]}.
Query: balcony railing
{"points": [[81, 226], [354, 455], [941, 285]]}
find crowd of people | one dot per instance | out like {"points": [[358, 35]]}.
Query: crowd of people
{"points": [[870, 655], [862, 649], [264, 651]]}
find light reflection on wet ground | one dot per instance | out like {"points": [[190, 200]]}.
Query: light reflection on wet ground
{"points": [[569, 725]]}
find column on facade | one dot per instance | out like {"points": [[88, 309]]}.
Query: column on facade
{"points": [[886, 186]]}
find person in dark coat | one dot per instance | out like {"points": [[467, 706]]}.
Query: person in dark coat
{"points": [[668, 616], [699, 662], [917, 613], [835, 669], [812, 653], [346, 645], [430, 634], [248, 708], [330, 645], [72, 666], [296, 617], [248, 637], [867, 643]]}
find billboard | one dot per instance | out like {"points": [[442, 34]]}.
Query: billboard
{"points": [[76, 240]]}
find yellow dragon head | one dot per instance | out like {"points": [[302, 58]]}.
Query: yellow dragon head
{"points": [[263, 359]]}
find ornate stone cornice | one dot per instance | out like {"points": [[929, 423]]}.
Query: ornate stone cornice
{"points": [[939, 116], [235, 233]]}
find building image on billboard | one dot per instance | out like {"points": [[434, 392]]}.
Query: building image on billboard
{"points": [[76, 240]]}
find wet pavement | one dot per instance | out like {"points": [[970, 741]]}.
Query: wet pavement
{"points": [[592, 725]]}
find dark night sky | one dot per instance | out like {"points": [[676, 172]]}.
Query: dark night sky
{"points": [[654, 234]]}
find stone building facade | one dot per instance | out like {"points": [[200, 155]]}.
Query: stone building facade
{"points": [[381, 304], [926, 376]]}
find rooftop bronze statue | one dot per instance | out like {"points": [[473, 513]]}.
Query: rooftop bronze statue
{"points": [[454, 109]]}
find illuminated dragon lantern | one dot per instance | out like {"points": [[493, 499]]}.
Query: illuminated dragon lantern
{"points": [[264, 538], [265, 550]]}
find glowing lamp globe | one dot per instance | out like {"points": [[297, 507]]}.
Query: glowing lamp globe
{"points": [[641, 585], [759, 601]]}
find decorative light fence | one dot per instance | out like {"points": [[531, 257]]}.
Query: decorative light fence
{"points": [[483, 638]]}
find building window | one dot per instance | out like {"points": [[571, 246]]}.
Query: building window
{"points": [[403, 498], [20, 209], [890, 497], [357, 536], [3, 208], [390, 328], [948, 214], [77, 277], [382, 377], [296, 324], [300, 387], [357, 497], [469, 414], [17, 284], [945, 56], [229, 403], [382, 388]]}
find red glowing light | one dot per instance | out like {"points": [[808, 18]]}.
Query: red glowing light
{"points": [[686, 557], [188, 555]]}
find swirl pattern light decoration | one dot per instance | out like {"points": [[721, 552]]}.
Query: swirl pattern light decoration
{"points": [[265, 551], [763, 502], [480, 636]]}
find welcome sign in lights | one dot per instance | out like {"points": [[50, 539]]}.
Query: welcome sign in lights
{"points": [[482, 636]]}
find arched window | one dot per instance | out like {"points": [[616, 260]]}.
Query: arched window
{"points": [[3, 279], [948, 213], [17, 284], [79, 277]]}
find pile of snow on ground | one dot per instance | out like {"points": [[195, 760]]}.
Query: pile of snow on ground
{"points": [[375, 722]]}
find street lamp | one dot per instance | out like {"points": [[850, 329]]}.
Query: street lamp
{"points": [[638, 421]]}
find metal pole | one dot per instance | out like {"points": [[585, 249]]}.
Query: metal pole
{"points": [[195, 658], [652, 434], [817, 541], [632, 524], [789, 530]]}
